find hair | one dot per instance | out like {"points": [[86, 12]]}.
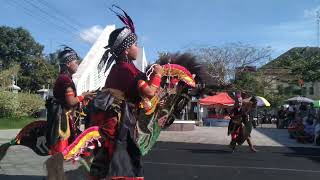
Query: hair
{"points": [[63, 68]]}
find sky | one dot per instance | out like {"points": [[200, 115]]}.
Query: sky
{"points": [[168, 25]]}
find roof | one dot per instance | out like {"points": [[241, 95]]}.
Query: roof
{"points": [[291, 56]]}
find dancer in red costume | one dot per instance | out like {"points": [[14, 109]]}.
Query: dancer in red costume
{"points": [[62, 127], [239, 126], [117, 104]]}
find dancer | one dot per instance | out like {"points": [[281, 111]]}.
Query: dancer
{"points": [[239, 126], [62, 125], [124, 87]]}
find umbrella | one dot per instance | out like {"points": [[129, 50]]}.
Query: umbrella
{"points": [[316, 104], [300, 99], [219, 99], [261, 101]]}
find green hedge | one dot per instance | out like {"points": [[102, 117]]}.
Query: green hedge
{"points": [[19, 104]]}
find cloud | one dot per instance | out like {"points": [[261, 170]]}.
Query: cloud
{"points": [[311, 13], [91, 34]]}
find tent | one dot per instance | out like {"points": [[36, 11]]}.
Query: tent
{"points": [[220, 99]]}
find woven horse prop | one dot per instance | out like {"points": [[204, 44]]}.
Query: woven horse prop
{"points": [[178, 79], [33, 136]]}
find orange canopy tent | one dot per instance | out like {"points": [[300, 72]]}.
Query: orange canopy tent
{"points": [[220, 99]]}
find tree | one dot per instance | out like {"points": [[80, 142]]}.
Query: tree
{"points": [[249, 82], [223, 61], [17, 46], [300, 62], [52, 58], [307, 69], [38, 74]]}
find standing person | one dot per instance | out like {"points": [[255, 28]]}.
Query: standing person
{"points": [[291, 114], [239, 126], [61, 109], [281, 118], [116, 104]]}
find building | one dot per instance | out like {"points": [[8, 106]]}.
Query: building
{"points": [[278, 77]]}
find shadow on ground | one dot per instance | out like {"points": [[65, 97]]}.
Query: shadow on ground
{"points": [[20, 177], [77, 174]]}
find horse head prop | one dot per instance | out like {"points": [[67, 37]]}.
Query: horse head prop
{"points": [[181, 75]]}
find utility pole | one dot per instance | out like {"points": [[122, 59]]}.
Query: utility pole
{"points": [[318, 22], [50, 45]]}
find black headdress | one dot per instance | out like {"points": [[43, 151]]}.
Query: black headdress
{"points": [[67, 55]]}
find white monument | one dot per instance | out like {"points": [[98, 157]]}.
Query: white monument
{"points": [[87, 77], [43, 92], [13, 87]]}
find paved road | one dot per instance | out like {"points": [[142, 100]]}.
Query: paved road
{"points": [[178, 156], [174, 161]]}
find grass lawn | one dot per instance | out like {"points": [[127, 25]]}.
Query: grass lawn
{"points": [[14, 122]]}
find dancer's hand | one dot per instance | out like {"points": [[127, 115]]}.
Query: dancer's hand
{"points": [[89, 95], [158, 69]]}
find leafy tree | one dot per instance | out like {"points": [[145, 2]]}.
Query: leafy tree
{"points": [[249, 82], [39, 73], [301, 63], [17, 46], [52, 58]]}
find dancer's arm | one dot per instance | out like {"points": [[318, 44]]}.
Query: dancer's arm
{"points": [[73, 100], [149, 88]]}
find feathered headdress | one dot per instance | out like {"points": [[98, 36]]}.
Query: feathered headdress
{"points": [[119, 40], [126, 19]]}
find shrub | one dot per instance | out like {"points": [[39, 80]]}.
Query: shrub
{"points": [[8, 104], [18, 105], [29, 104]]}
